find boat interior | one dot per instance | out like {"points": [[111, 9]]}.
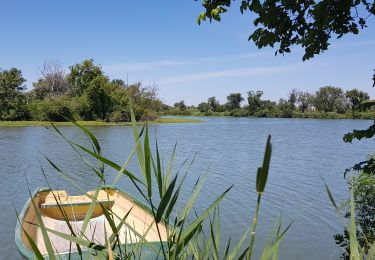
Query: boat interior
{"points": [[56, 207]]}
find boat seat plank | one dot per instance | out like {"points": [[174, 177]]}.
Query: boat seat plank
{"points": [[74, 201]]}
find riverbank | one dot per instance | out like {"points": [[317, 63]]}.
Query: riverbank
{"points": [[96, 123]]}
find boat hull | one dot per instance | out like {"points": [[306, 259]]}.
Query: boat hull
{"points": [[57, 209]]}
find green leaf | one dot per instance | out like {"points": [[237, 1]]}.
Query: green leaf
{"points": [[226, 252], [66, 177], [119, 226], [159, 172], [165, 200], [173, 200], [147, 153], [90, 135], [235, 250], [46, 239], [170, 166], [269, 251], [371, 252], [334, 204], [108, 162], [354, 253], [80, 241], [124, 166], [194, 196], [109, 219], [100, 174], [190, 230], [214, 240], [34, 247], [89, 212], [140, 154]]}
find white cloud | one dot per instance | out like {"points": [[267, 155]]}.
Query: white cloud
{"points": [[151, 65], [142, 65], [239, 72]]}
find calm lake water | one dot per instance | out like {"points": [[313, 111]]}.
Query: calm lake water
{"points": [[304, 152]]}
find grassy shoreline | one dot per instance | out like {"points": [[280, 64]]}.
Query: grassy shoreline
{"points": [[96, 123]]}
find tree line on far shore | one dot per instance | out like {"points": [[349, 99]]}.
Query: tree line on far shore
{"points": [[84, 93], [327, 102]]}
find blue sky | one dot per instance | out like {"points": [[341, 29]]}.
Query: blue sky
{"points": [[159, 42]]}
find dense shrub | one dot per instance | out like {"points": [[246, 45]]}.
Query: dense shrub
{"points": [[266, 113], [53, 109], [177, 112], [119, 116], [364, 197], [239, 112], [17, 111], [149, 115]]}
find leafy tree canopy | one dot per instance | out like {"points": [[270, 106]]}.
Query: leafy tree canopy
{"points": [[254, 101], [292, 98], [328, 99], [234, 101], [82, 74], [180, 105], [305, 100], [356, 97], [12, 100], [204, 107], [214, 104], [310, 24]]}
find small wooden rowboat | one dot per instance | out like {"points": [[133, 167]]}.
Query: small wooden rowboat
{"points": [[138, 224]]}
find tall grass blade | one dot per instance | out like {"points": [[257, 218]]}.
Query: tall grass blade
{"points": [[335, 205], [213, 239], [83, 242], [194, 196], [125, 165], [66, 177], [275, 255], [99, 173], [159, 172], [119, 226], [354, 253], [165, 200], [140, 154], [169, 169], [147, 153], [109, 249], [235, 250], [108, 162], [63, 212], [90, 135], [174, 199], [371, 252], [218, 236], [46, 239], [108, 217], [190, 230], [34, 247], [268, 252], [90, 210], [226, 252]]}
